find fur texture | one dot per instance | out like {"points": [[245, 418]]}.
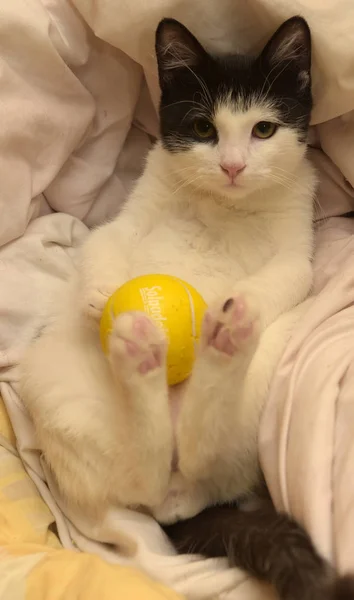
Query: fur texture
{"points": [[270, 546], [226, 204]]}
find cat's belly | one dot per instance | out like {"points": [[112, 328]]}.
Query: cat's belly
{"points": [[211, 281], [212, 270]]}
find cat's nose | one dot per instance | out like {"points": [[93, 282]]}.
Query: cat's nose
{"points": [[232, 169]]}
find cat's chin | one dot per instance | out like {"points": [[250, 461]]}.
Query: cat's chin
{"points": [[228, 194]]}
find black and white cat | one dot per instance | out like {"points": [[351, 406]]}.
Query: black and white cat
{"points": [[225, 203]]}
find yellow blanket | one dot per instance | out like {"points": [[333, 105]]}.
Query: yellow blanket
{"points": [[33, 565]]}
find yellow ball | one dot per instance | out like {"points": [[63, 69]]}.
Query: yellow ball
{"points": [[174, 305]]}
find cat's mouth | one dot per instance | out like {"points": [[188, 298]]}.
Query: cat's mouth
{"points": [[233, 184]]}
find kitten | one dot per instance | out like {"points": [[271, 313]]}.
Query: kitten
{"points": [[270, 546], [225, 203]]}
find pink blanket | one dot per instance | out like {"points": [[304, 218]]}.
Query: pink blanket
{"points": [[306, 436]]}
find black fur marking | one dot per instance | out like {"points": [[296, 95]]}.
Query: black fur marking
{"points": [[193, 82], [270, 546]]}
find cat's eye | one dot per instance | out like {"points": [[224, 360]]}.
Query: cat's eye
{"points": [[264, 130], [204, 129]]}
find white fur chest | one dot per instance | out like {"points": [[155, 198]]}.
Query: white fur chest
{"points": [[211, 258]]}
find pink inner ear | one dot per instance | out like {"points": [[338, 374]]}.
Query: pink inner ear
{"points": [[177, 47], [304, 79], [291, 42]]}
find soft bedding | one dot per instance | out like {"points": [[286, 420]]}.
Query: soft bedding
{"points": [[78, 104], [33, 563]]}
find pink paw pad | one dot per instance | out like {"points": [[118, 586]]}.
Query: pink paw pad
{"points": [[153, 362], [141, 327], [230, 328], [137, 344]]}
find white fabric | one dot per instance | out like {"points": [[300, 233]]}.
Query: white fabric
{"points": [[78, 116]]}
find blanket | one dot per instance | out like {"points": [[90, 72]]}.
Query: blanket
{"points": [[79, 105], [33, 563]]}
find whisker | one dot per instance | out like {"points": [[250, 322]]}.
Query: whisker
{"points": [[194, 102], [281, 181], [186, 183], [178, 171], [180, 62]]}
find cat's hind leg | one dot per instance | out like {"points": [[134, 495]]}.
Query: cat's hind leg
{"points": [[137, 357], [107, 440], [218, 424], [230, 335]]}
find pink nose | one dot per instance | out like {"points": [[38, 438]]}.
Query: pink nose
{"points": [[232, 169]]}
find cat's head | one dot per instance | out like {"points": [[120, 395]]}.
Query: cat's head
{"points": [[235, 124]]}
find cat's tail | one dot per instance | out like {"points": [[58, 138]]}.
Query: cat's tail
{"points": [[343, 588]]}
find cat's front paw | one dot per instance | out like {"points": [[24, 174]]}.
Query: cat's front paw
{"points": [[94, 299], [137, 346], [232, 326]]}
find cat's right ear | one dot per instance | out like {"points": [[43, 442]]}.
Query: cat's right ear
{"points": [[176, 49], [290, 48]]}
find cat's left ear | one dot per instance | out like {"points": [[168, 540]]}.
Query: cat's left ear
{"points": [[176, 49], [290, 47]]}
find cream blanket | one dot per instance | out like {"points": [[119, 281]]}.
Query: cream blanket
{"points": [[78, 116]]}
